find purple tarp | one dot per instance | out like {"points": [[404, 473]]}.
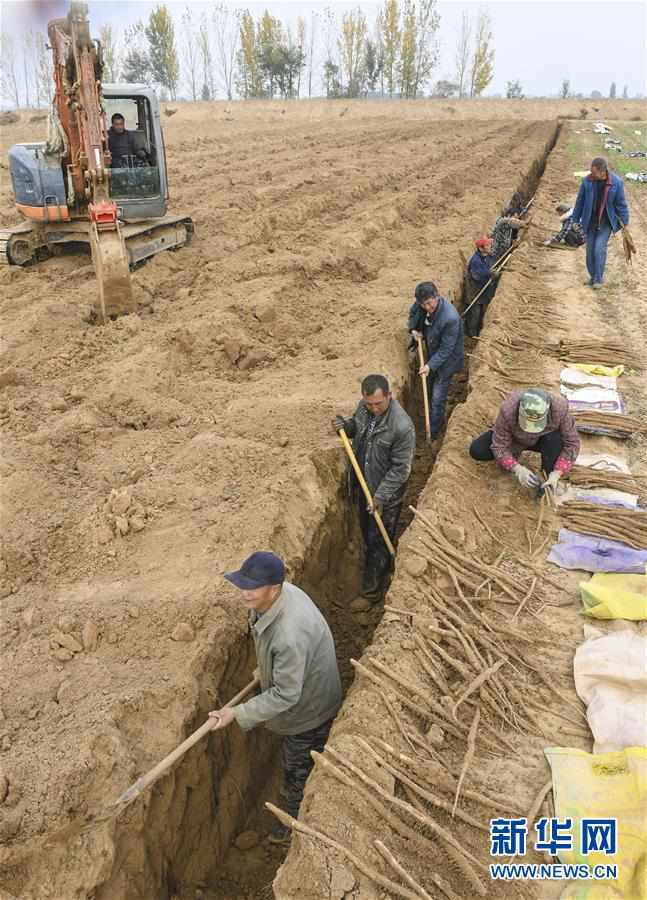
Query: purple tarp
{"points": [[592, 554]]}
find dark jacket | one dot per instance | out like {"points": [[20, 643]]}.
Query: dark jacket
{"points": [[443, 337], [389, 450], [121, 146], [613, 202], [479, 268]]}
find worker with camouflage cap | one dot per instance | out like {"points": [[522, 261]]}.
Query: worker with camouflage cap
{"points": [[535, 420]]}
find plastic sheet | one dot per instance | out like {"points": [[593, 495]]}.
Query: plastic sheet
{"points": [[590, 554], [604, 786], [611, 679], [575, 378], [615, 596]]}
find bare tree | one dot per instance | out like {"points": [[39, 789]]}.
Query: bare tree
{"points": [[311, 49], [28, 67], [206, 59], [462, 58], [111, 55], [8, 64], [226, 25], [427, 49], [190, 51], [301, 48], [44, 70], [566, 89], [482, 70]]}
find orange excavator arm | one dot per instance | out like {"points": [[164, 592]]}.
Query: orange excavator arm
{"points": [[77, 75]]}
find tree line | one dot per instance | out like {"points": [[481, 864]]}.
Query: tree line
{"points": [[224, 51]]}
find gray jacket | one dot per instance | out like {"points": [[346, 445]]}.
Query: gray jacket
{"points": [[389, 450], [295, 651]]}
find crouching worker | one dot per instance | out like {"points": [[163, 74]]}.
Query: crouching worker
{"points": [[531, 420], [384, 441], [300, 684]]}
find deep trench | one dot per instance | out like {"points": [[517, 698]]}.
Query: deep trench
{"points": [[219, 790]]}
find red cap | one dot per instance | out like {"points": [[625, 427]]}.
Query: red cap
{"points": [[483, 241]]}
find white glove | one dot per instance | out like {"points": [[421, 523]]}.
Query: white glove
{"points": [[551, 481], [525, 477]]}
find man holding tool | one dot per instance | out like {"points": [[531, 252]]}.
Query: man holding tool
{"points": [[482, 281], [383, 444], [531, 420], [433, 318], [299, 677]]}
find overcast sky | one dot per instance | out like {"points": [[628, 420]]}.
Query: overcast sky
{"points": [[591, 42]]}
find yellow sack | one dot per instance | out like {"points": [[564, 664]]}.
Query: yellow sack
{"points": [[604, 786], [611, 596], [599, 369]]}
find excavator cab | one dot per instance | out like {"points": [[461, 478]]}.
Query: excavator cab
{"points": [[138, 182], [70, 190]]}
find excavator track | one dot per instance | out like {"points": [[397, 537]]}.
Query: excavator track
{"points": [[19, 246]]}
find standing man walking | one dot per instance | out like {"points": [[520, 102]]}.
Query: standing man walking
{"points": [[384, 441], [435, 319], [300, 684], [601, 209], [479, 270]]}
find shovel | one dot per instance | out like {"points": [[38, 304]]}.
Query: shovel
{"points": [[367, 493], [136, 789], [425, 391]]}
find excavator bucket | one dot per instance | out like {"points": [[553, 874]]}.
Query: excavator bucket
{"points": [[110, 257]]}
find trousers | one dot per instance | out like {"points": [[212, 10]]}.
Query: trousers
{"points": [[378, 558], [297, 762], [549, 445], [597, 240], [438, 391]]}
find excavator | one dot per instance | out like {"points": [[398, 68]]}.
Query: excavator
{"points": [[72, 190]]}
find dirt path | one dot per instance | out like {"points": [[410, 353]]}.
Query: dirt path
{"points": [[200, 429]]}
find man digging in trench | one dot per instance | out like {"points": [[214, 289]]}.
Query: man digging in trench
{"points": [[300, 683], [384, 442]]}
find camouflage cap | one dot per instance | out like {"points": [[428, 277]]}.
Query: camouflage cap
{"points": [[534, 407]]}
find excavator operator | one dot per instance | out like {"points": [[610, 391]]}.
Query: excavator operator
{"points": [[121, 144]]}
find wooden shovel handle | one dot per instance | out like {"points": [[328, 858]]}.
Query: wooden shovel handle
{"points": [[367, 493], [425, 390], [150, 777]]}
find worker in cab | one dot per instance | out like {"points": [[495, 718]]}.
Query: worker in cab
{"points": [[121, 144], [384, 442], [534, 420]]}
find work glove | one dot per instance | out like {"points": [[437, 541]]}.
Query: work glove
{"points": [[525, 477], [338, 423], [551, 481]]}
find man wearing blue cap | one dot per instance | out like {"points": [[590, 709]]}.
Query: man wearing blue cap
{"points": [[300, 685]]}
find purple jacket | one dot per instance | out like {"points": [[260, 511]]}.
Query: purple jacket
{"points": [[509, 439]]}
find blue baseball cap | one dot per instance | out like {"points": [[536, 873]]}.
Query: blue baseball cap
{"points": [[259, 570]]}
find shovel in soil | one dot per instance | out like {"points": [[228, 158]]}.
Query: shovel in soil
{"points": [[143, 783]]}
